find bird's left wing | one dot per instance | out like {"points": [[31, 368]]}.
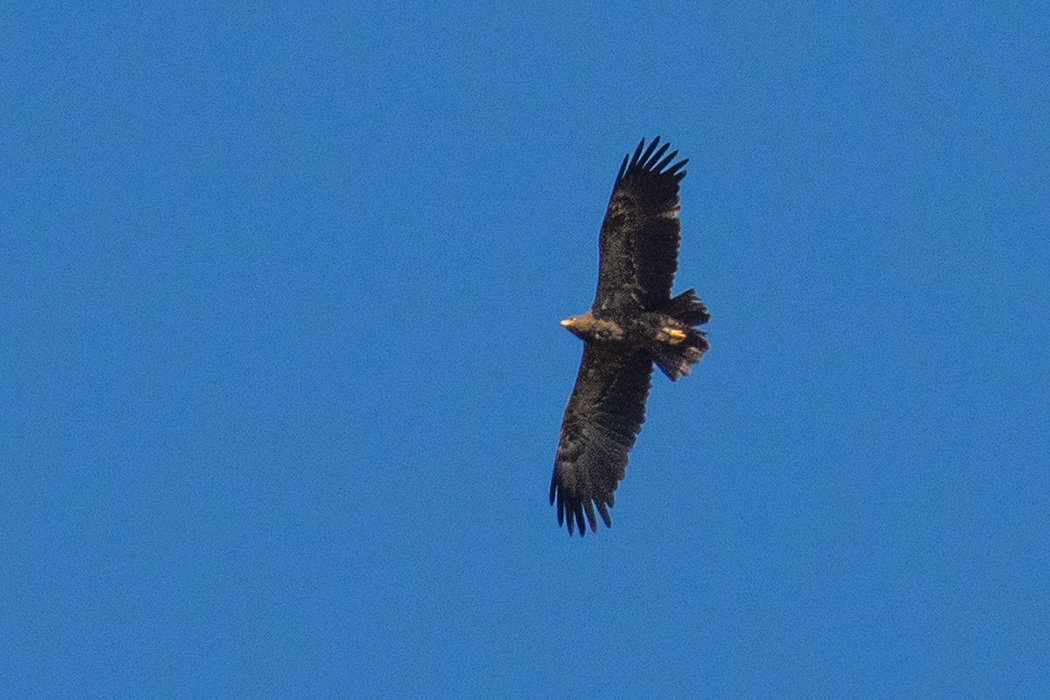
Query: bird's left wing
{"points": [[638, 245], [603, 417]]}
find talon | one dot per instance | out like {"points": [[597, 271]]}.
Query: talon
{"points": [[676, 336]]}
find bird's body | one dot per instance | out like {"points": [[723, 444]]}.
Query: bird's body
{"points": [[632, 323]]}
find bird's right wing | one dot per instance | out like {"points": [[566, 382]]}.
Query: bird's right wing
{"points": [[603, 417]]}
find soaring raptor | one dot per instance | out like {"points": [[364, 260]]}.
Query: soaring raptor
{"points": [[632, 323]]}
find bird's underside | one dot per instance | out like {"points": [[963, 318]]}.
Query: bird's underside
{"points": [[632, 323]]}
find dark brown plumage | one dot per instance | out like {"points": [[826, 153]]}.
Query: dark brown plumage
{"points": [[632, 323]]}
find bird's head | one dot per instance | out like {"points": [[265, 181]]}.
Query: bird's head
{"points": [[587, 327]]}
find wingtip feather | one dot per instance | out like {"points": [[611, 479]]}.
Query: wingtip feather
{"points": [[649, 151], [638, 152], [655, 157]]}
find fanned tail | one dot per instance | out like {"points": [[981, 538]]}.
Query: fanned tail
{"points": [[676, 360], [687, 308]]}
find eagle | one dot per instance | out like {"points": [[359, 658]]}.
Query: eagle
{"points": [[633, 322]]}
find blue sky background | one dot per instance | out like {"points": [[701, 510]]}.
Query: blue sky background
{"points": [[282, 376]]}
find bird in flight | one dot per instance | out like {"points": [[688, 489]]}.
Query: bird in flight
{"points": [[632, 323]]}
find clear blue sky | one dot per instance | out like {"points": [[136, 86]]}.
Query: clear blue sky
{"points": [[282, 375]]}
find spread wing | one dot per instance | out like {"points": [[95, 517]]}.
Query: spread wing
{"points": [[605, 413], [638, 246]]}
